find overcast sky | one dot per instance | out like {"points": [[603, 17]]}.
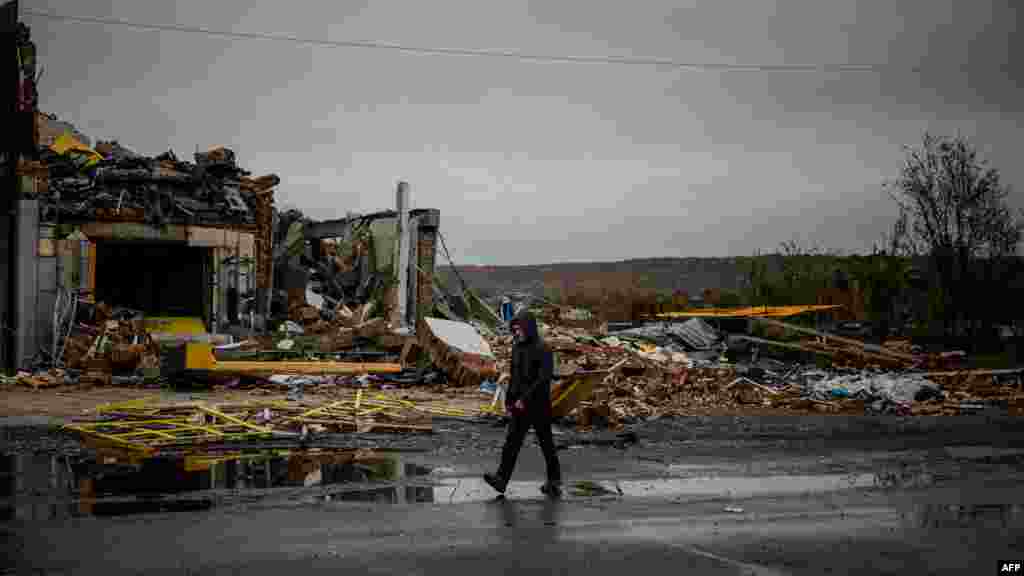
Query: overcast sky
{"points": [[539, 162]]}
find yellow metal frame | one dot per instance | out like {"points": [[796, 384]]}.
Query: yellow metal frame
{"points": [[144, 426], [147, 435], [360, 405]]}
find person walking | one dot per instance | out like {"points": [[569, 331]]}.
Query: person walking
{"points": [[528, 402]]}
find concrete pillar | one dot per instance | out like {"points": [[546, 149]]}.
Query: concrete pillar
{"points": [[402, 262], [412, 301], [27, 286], [47, 277]]}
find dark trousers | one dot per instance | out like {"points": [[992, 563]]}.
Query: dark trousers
{"points": [[517, 429]]}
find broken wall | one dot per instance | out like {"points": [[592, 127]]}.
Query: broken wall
{"points": [[338, 252], [177, 270]]}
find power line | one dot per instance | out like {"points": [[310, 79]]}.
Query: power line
{"points": [[666, 63]]}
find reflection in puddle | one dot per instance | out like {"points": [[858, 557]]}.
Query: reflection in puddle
{"points": [[472, 489], [974, 516], [41, 487]]}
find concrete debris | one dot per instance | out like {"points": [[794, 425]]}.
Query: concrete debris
{"points": [[459, 351], [460, 336]]}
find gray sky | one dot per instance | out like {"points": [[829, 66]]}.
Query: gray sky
{"points": [[539, 162]]}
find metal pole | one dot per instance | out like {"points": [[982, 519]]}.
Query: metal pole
{"points": [[402, 262]]}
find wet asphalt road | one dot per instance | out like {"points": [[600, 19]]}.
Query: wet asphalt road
{"points": [[862, 532], [702, 497]]}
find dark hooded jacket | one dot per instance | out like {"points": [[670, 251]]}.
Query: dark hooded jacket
{"points": [[532, 367]]}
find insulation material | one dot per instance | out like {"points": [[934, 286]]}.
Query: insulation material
{"points": [[459, 351], [385, 234]]}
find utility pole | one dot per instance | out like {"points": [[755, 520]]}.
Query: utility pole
{"points": [[10, 78]]}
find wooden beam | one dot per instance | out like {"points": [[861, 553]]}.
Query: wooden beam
{"points": [[848, 341], [879, 358]]}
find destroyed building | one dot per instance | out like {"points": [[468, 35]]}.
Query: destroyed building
{"points": [[198, 239], [352, 261]]}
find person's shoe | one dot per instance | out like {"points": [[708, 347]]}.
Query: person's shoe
{"points": [[496, 482], [552, 489]]}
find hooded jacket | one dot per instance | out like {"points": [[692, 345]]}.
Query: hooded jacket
{"points": [[532, 367]]}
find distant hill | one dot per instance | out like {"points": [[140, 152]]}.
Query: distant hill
{"points": [[689, 275]]}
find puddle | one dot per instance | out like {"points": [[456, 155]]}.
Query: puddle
{"points": [[471, 489], [44, 487]]}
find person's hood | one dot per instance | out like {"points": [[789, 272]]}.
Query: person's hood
{"points": [[529, 324]]}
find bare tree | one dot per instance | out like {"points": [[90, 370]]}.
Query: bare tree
{"points": [[953, 209]]}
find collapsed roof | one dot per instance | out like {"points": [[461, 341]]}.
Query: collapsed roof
{"points": [[111, 182]]}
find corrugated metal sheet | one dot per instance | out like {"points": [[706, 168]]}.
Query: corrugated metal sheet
{"points": [[697, 334], [694, 334]]}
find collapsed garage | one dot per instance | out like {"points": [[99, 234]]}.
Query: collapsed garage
{"points": [[198, 276]]}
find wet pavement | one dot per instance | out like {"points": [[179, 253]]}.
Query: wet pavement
{"points": [[49, 487], [942, 507], [878, 531]]}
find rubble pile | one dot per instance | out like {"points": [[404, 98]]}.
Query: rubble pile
{"points": [[116, 184], [111, 348], [103, 347], [969, 392], [676, 370]]}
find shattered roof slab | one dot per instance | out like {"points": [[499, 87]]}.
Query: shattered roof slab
{"points": [[459, 335]]}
